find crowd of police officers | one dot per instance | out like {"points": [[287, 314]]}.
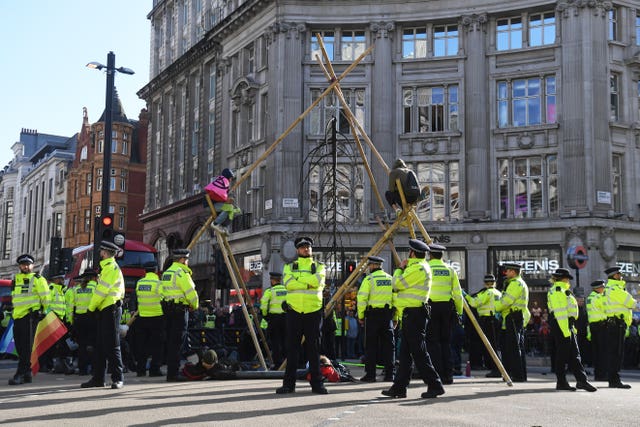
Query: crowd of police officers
{"points": [[418, 304]]}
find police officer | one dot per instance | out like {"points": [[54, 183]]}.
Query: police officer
{"points": [[563, 313], [513, 305], [84, 322], [304, 280], [484, 302], [149, 337], [446, 305], [59, 351], [106, 303], [30, 297], [411, 287], [618, 304], [375, 309], [179, 297], [598, 329], [273, 313]]}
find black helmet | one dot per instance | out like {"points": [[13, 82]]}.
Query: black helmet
{"points": [[228, 173]]}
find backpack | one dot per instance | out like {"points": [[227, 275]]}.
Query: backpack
{"points": [[411, 187]]}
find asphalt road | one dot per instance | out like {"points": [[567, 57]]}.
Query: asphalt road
{"points": [[476, 401]]}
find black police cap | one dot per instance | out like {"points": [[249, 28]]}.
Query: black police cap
{"points": [[150, 265], [562, 273], [106, 245], [25, 259], [511, 266], [57, 276], [611, 271], [303, 241], [89, 272], [275, 274], [418, 246], [181, 253], [375, 260], [597, 284], [434, 247], [489, 278]]}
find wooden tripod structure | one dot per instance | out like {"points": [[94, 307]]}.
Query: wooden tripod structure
{"points": [[407, 216]]}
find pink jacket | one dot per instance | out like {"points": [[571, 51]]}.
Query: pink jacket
{"points": [[218, 189]]}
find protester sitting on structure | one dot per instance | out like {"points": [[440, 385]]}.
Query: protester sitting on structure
{"points": [[218, 191]]}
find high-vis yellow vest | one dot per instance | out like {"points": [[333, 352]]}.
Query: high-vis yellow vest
{"points": [[412, 286], [375, 291], [563, 305], [30, 293], [485, 301], [177, 286], [445, 284], [618, 303], [272, 299], [514, 298], [83, 297], [595, 307], [149, 296], [110, 287], [56, 300], [304, 280]]}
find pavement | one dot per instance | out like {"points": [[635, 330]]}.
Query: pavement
{"points": [[473, 401]]}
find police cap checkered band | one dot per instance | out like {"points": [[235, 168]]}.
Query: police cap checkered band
{"points": [[109, 246], [181, 253], [25, 259], [303, 241], [489, 278]]}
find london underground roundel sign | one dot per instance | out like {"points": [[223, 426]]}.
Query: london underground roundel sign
{"points": [[577, 257]]}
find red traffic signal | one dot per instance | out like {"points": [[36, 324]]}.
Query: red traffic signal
{"points": [[349, 266], [107, 220]]}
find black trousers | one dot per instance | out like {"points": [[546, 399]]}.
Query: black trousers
{"points": [[84, 331], [277, 332], [616, 329], [149, 341], [309, 326], [439, 337], [176, 319], [490, 326], [23, 331], [413, 349], [513, 352], [567, 354], [379, 335], [599, 349], [108, 344]]}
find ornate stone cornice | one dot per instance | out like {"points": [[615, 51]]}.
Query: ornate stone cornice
{"points": [[382, 29], [474, 22], [289, 29], [600, 7]]}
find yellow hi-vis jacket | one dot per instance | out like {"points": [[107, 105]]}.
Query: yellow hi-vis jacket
{"points": [[445, 285], [110, 288], [56, 300], [178, 287], [618, 302], [595, 307], [563, 305], [149, 296], [304, 280], [411, 286], [272, 299], [82, 297], [375, 291], [514, 298], [30, 293], [485, 301]]}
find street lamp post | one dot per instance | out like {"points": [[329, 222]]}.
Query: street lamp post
{"points": [[106, 149]]}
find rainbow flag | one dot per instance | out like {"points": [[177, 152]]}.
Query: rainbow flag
{"points": [[49, 331], [7, 344]]}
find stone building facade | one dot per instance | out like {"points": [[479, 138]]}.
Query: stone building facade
{"points": [[521, 119]]}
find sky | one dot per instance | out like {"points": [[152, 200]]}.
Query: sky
{"points": [[44, 49]]}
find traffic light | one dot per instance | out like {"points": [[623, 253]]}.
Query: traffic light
{"points": [[349, 267], [106, 231]]}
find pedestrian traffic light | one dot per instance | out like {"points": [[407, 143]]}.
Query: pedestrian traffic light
{"points": [[349, 266]]}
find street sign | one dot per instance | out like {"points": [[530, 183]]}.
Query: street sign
{"points": [[577, 257]]}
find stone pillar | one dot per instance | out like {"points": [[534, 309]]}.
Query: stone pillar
{"points": [[476, 118], [382, 102], [584, 85]]}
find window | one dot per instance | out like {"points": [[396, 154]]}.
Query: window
{"points": [[345, 204], [430, 109], [521, 101], [212, 83], [100, 145], [528, 187], [440, 190], [89, 180], [542, 29], [414, 43], [125, 148], [509, 33], [50, 188], [112, 184], [121, 218], [445, 40], [637, 29], [330, 107], [123, 185], [87, 220], [329, 40], [612, 16], [353, 44], [614, 100], [250, 55], [617, 183]]}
